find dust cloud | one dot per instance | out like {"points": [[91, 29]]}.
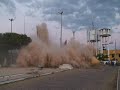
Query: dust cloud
{"points": [[43, 52]]}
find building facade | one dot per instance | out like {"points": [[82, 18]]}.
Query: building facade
{"points": [[114, 54]]}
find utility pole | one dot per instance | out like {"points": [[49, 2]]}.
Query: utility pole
{"points": [[88, 35], [61, 13], [73, 34], [11, 20], [24, 25], [96, 36], [96, 39], [115, 50]]}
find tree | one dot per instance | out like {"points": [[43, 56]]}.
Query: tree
{"points": [[102, 57], [14, 40]]}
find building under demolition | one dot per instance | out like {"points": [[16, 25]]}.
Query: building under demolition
{"points": [[101, 40]]}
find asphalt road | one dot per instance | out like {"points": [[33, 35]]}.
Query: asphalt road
{"points": [[84, 79]]}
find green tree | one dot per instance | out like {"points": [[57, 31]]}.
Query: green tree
{"points": [[14, 39], [102, 57]]}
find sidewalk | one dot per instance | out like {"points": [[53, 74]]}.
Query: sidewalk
{"points": [[10, 71], [8, 75], [118, 79]]}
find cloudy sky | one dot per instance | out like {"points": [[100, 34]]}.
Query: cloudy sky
{"points": [[78, 15]]}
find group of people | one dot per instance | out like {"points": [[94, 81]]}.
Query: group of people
{"points": [[112, 62]]}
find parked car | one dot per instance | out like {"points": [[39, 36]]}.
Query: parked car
{"points": [[106, 62]]}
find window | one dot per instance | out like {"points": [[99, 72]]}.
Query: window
{"points": [[112, 55]]}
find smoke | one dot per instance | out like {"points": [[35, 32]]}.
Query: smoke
{"points": [[42, 33], [43, 52]]}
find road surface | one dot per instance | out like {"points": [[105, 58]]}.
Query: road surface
{"points": [[84, 79]]}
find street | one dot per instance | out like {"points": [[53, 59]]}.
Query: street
{"points": [[83, 79]]}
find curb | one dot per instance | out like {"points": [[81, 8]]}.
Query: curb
{"points": [[45, 74], [34, 76], [11, 81]]}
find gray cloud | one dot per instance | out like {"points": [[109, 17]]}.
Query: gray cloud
{"points": [[105, 9], [80, 12], [24, 1], [10, 6], [76, 12]]}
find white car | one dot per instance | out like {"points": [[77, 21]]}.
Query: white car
{"points": [[106, 62]]}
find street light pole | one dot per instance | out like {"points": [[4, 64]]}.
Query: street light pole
{"points": [[24, 25], [96, 36], [11, 20], [61, 13], [115, 50], [11, 23], [73, 35]]}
